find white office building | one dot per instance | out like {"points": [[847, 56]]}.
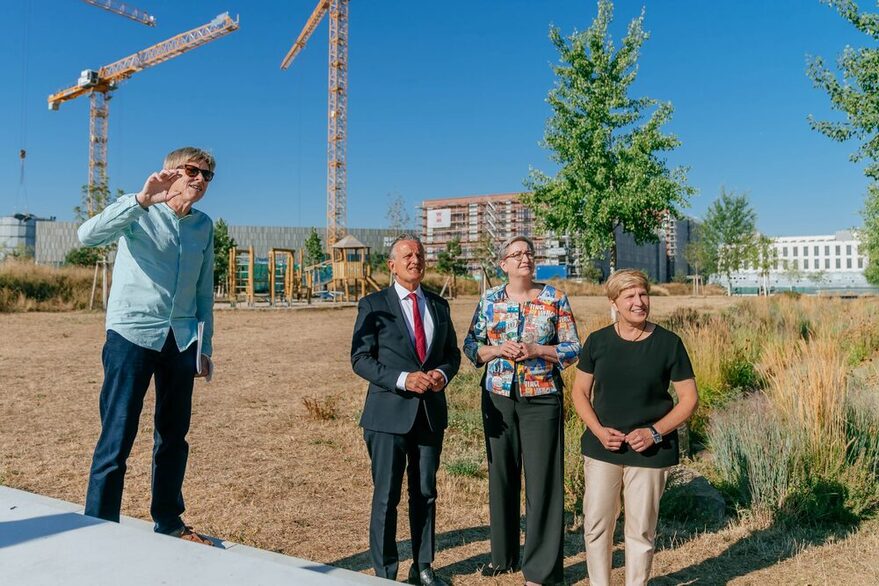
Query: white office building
{"points": [[809, 264]]}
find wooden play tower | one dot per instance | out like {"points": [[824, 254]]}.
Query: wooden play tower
{"points": [[352, 275]]}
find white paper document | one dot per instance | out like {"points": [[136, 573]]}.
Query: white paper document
{"points": [[199, 337]]}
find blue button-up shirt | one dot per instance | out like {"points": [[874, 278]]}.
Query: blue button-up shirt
{"points": [[163, 277]]}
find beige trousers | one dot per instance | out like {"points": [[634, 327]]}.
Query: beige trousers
{"points": [[641, 489]]}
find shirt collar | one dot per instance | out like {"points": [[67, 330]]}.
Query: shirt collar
{"points": [[403, 292]]}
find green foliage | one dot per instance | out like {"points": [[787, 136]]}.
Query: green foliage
{"points": [[378, 261], [728, 235], [856, 95], [85, 256], [314, 249], [449, 261], [608, 146], [468, 467], [223, 243]]}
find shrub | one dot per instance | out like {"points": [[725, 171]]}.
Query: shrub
{"points": [[83, 257]]}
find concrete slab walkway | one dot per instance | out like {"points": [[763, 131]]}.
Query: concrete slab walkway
{"points": [[45, 541]]}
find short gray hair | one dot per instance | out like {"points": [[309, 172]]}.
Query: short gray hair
{"points": [[510, 241], [401, 238]]}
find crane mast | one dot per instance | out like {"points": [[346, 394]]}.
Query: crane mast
{"points": [[337, 109], [100, 84], [125, 10]]}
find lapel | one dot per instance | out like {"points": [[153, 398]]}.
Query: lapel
{"points": [[393, 301]]}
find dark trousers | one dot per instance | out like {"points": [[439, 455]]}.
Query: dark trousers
{"points": [[127, 372], [530, 431], [390, 454]]}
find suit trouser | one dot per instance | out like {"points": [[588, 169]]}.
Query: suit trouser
{"points": [[641, 489], [128, 369], [529, 431], [390, 453]]}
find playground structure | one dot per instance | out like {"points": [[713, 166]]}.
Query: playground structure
{"points": [[281, 277], [352, 273], [276, 279]]}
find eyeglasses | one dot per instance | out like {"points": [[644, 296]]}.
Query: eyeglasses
{"points": [[518, 256], [193, 171]]}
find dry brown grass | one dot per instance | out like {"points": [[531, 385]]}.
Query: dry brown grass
{"points": [[264, 472], [25, 286]]}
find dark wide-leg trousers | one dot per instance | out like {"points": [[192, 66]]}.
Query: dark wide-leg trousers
{"points": [[417, 451], [128, 369], [526, 431]]}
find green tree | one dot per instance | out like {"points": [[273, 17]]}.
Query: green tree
{"points": [[764, 259], [223, 243], [84, 256], [485, 254], [314, 249], [99, 196], [856, 95], [608, 145], [728, 235], [449, 262]]}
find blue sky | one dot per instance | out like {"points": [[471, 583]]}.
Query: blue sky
{"points": [[446, 99]]}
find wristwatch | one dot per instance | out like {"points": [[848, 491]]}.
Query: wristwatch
{"points": [[657, 437]]}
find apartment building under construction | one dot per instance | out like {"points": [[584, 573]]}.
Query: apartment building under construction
{"points": [[482, 223]]}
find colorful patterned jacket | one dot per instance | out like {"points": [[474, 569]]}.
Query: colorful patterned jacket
{"points": [[547, 320]]}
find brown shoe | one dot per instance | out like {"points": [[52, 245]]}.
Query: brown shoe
{"points": [[186, 533]]}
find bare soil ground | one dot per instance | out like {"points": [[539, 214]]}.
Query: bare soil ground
{"points": [[264, 472]]}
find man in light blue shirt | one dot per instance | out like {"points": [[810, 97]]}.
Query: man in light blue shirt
{"points": [[160, 314]]}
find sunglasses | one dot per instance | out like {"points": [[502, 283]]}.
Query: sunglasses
{"points": [[193, 171]]}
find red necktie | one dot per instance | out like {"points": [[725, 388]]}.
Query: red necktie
{"points": [[418, 326]]}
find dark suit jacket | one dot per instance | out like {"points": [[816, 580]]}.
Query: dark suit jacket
{"points": [[381, 349]]}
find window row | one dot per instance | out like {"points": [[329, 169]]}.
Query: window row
{"points": [[816, 250]]}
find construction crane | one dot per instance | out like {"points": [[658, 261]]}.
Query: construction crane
{"points": [[99, 85], [125, 10], [337, 110]]}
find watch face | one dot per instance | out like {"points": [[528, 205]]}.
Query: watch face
{"points": [[657, 438]]}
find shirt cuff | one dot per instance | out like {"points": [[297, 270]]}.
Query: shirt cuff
{"points": [[401, 381]]}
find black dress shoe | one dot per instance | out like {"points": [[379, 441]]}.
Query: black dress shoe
{"points": [[426, 577]]}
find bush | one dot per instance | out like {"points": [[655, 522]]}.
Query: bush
{"points": [[83, 257]]}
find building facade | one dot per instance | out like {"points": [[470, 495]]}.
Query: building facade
{"points": [[809, 263], [478, 221], [55, 239], [482, 223]]}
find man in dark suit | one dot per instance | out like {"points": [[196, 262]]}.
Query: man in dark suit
{"points": [[404, 344]]}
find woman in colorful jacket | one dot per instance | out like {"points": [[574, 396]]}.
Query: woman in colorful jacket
{"points": [[524, 334]]}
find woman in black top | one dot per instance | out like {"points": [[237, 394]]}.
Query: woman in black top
{"points": [[621, 393]]}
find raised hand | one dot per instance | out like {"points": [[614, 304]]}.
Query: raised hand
{"points": [[157, 187]]}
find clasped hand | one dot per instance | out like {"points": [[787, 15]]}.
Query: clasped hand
{"points": [[421, 382], [612, 439], [517, 351]]}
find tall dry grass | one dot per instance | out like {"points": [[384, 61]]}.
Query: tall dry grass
{"points": [[806, 446], [26, 286]]}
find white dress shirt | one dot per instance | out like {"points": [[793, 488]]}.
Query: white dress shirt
{"points": [[426, 321]]}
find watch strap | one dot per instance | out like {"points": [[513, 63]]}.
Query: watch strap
{"points": [[657, 437]]}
